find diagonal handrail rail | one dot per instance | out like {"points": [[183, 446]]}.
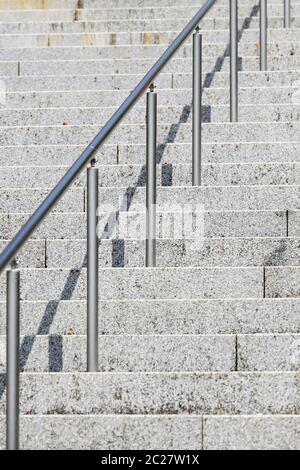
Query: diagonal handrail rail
{"points": [[78, 166]]}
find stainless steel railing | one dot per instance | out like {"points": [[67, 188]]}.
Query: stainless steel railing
{"points": [[9, 253], [263, 20], [287, 13]]}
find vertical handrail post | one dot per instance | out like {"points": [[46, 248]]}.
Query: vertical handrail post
{"points": [[233, 61], [287, 14], [13, 359], [263, 20], [92, 268], [197, 108], [151, 178]]}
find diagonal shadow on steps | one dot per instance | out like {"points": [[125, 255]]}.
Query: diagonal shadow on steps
{"points": [[55, 343]]}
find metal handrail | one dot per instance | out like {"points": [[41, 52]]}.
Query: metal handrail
{"points": [[30, 226]]}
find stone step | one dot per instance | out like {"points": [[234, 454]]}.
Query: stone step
{"points": [[172, 252], [231, 198], [149, 12], [268, 352], [164, 81], [164, 432], [128, 353], [178, 253], [169, 97], [168, 283], [108, 432], [167, 175], [141, 66], [169, 199], [248, 393], [116, 25], [166, 114], [161, 353], [246, 79], [117, 38], [38, 4], [251, 432], [126, 134], [153, 11], [281, 50], [100, 82], [172, 153], [161, 317], [60, 26], [145, 3], [9, 69], [247, 224], [276, 284], [65, 4], [19, 200], [32, 255]]}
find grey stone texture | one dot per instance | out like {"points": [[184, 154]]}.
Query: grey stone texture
{"points": [[164, 393], [160, 353], [167, 175], [108, 432], [251, 433], [282, 282], [161, 317], [269, 352], [137, 283], [236, 252], [203, 351], [166, 114]]}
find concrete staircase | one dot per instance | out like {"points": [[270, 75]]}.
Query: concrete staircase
{"points": [[202, 352]]}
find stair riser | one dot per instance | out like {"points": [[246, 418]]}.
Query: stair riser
{"points": [[246, 393], [263, 132], [125, 14], [151, 354], [216, 224], [176, 253], [180, 253], [239, 198], [73, 4], [157, 432], [251, 433], [225, 153], [161, 317], [122, 284], [167, 175], [160, 353], [281, 50], [22, 201], [164, 81], [208, 283], [88, 116], [155, 3], [108, 432], [273, 353], [153, 11], [138, 25], [169, 97], [18, 5], [275, 198], [139, 66], [117, 38], [65, 4]]}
